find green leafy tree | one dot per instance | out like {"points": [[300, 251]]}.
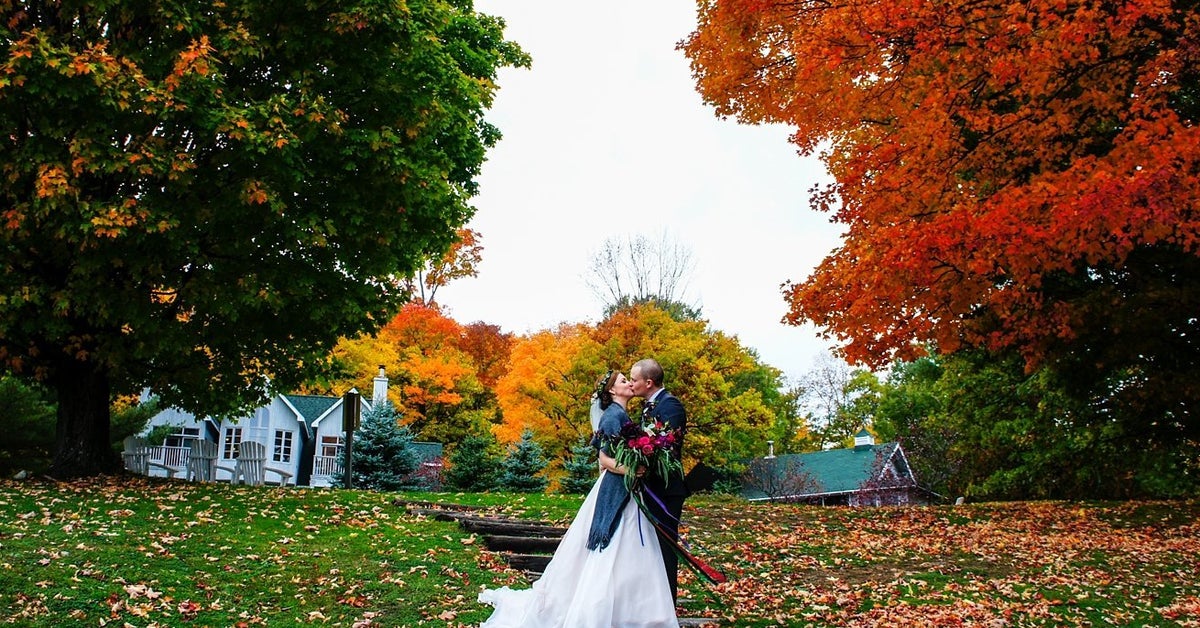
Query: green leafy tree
{"points": [[978, 423], [581, 469], [200, 198], [129, 418], [383, 457], [792, 431], [27, 422], [523, 469], [474, 465], [911, 410]]}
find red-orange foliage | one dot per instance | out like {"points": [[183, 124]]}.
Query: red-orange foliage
{"points": [[423, 327], [978, 150], [490, 348], [436, 366]]}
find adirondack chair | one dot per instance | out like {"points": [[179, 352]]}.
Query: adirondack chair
{"points": [[251, 465], [137, 457], [202, 461]]}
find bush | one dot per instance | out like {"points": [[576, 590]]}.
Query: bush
{"points": [[523, 469], [473, 465]]}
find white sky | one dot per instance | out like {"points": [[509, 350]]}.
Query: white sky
{"points": [[606, 136]]}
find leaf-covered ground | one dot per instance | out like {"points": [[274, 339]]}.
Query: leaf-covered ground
{"points": [[136, 552], [1018, 564]]}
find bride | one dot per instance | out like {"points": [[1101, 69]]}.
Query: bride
{"points": [[607, 571]]}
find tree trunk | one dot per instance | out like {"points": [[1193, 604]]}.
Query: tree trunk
{"points": [[82, 446]]}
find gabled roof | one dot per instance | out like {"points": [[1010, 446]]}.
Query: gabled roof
{"points": [[839, 470], [310, 407]]}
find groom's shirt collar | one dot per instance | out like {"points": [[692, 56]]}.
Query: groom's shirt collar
{"points": [[658, 393]]}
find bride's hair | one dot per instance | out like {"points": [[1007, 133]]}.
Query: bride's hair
{"points": [[604, 389]]}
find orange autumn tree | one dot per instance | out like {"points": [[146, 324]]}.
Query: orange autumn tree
{"points": [[489, 347], [547, 388], [434, 382], [1014, 176], [551, 375]]}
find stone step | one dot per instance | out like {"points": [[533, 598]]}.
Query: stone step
{"points": [[708, 622]]}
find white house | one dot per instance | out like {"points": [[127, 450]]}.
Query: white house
{"points": [[303, 435]]}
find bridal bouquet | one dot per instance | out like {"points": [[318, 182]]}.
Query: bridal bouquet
{"points": [[651, 446]]}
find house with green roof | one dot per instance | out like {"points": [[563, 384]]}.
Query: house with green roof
{"points": [[864, 475], [303, 435]]}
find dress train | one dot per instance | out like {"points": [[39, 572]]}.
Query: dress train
{"points": [[622, 586]]}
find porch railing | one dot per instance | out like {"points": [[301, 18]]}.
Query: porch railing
{"points": [[170, 456], [326, 465]]}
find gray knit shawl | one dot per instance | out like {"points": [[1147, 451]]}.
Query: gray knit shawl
{"points": [[612, 496]]}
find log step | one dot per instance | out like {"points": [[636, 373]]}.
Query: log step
{"points": [[520, 544], [508, 527], [528, 562]]}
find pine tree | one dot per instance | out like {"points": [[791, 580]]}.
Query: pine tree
{"points": [[473, 465], [383, 454], [523, 467], [581, 469]]}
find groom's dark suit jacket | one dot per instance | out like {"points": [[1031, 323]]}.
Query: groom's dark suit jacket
{"points": [[669, 410]]}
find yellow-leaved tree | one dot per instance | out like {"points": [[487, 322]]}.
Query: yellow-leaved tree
{"points": [[729, 394]]}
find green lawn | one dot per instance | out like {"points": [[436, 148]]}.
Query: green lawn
{"points": [[144, 552]]}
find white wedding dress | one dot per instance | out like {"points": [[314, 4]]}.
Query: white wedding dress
{"points": [[622, 586]]}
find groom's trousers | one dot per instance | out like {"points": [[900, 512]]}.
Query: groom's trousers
{"points": [[670, 520]]}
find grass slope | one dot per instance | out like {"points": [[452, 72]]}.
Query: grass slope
{"points": [[143, 552]]}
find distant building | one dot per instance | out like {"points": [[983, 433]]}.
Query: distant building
{"points": [[303, 435], [864, 475]]}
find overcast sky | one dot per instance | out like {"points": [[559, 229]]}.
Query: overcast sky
{"points": [[606, 136]]}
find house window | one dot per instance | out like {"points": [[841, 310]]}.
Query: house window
{"points": [[283, 446], [181, 437], [233, 439], [331, 446]]}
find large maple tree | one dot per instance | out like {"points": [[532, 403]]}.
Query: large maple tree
{"points": [[200, 197], [1012, 175]]}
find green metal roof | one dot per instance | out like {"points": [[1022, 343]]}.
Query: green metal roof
{"points": [[427, 451], [311, 407], [833, 471]]}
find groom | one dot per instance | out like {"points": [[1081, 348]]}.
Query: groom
{"points": [[660, 405]]}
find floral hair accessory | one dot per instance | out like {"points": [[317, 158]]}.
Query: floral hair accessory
{"points": [[602, 385]]}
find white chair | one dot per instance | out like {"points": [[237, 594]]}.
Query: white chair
{"points": [[202, 460], [251, 465], [136, 455]]}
